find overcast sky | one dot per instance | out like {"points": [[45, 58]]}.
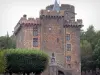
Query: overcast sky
{"points": [[12, 10]]}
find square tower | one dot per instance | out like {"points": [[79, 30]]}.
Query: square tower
{"points": [[60, 33]]}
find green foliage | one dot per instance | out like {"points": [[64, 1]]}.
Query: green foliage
{"points": [[89, 35], [6, 42], [90, 48], [86, 55], [96, 54], [86, 48], [26, 61], [2, 62], [23, 61]]}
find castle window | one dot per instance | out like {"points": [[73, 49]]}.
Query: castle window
{"points": [[35, 42], [67, 37], [68, 47], [68, 58], [35, 31]]}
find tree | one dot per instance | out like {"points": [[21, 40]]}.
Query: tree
{"points": [[82, 37], [90, 48], [2, 62], [96, 54], [6, 42], [86, 48], [86, 55], [90, 35]]}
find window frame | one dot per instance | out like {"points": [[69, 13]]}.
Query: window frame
{"points": [[69, 48], [35, 42], [35, 31], [68, 37], [68, 58]]}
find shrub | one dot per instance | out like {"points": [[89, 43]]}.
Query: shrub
{"points": [[2, 62], [26, 61]]}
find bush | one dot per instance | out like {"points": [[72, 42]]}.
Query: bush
{"points": [[26, 61], [2, 62]]}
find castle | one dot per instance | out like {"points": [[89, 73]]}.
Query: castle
{"points": [[57, 33]]}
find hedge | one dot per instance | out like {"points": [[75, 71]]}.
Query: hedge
{"points": [[2, 62], [25, 61]]}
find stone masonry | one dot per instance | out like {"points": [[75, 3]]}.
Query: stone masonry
{"points": [[55, 32]]}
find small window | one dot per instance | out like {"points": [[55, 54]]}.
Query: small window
{"points": [[35, 42], [68, 37], [68, 58], [35, 31], [68, 47]]}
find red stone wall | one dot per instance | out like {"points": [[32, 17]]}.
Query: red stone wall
{"points": [[28, 37], [75, 50]]}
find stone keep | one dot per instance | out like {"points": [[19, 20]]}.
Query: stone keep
{"points": [[56, 32]]}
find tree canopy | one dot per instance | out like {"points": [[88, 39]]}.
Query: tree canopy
{"points": [[7, 42], [90, 48]]}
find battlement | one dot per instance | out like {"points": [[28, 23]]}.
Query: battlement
{"points": [[71, 23], [52, 13], [49, 7], [25, 21], [32, 21], [67, 7]]}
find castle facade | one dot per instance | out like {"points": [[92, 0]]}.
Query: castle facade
{"points": [[57, 33]]}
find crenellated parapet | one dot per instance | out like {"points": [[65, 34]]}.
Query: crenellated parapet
{"points": [[51, 14], [71, 23], [29, 21], [49, 7], [68, 8], [26, 22]]}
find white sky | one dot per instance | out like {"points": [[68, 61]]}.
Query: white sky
{"points": [[12, 10]]}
